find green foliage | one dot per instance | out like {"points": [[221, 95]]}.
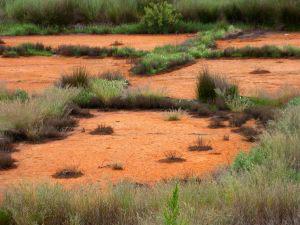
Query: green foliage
{"points": [[172, 212], [295, 101], [246, 162], [4, 217], [160, 18]]}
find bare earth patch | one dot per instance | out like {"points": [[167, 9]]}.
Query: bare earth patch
{"points": [[138, 144], [278, 39], [142, 42], [36, 73]]}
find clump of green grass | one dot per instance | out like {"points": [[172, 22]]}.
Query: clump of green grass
{"points": [[114, 75], [106, 90], [174, 115]]}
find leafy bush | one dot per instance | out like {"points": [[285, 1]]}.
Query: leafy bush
{"points": [[160, 18]]}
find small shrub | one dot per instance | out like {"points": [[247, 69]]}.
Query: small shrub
{"points": [[160, 18], [262, 113], [238, 119], [68, 173], [6, 161], [103, 130], [201, 145], [79, 78], [250, 133], [172, 156], [174, 115]]}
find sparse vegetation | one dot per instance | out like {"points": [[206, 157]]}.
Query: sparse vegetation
{"points": [[260, 184], [79, 78], [250, 133]]}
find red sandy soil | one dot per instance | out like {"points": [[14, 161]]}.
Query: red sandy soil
{"points": [[137, 143], [278, 39], [35, 73], [142, 42]]}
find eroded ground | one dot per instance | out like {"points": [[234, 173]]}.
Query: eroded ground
{"points": [[137, 143], [36, 73], [141, 42]]}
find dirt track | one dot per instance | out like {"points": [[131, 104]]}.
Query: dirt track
{"points": [[35, 73], [137, 143], [142, 42]]}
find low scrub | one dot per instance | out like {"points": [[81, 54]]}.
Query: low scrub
{"points": [[68, 173], [26, 49], [78, 79], [102, 130]]}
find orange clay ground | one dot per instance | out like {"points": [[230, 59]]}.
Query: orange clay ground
{"points": [[141, 137]]}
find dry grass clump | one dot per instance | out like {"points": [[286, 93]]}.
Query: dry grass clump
{"points": [[174, 114], [226, 137], [68, 172], [117, 166], [103, 130], [172, 157], [201, 145], [78, 78], [6, 161], [38, 117], [1, 42]]}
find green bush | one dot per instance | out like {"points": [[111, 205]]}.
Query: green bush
{"points": [[160, 18]]}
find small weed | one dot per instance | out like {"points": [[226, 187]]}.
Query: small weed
{"points": [[102, 130], [68, 172], [172, 211], [201, 145]]}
